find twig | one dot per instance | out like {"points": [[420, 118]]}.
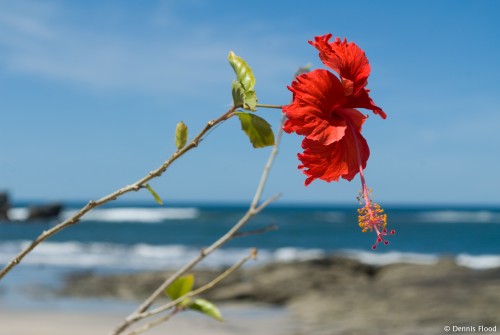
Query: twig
{"points": [[269, 106], [135, 316], [115, 195], [154, 323], [206, 287], [252, 211], [269, 163]]}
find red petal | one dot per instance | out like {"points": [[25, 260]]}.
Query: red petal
{"points": [[351, 63], [326, 52], [339, 159], [363, 100], [347, 59], [316, 95]]}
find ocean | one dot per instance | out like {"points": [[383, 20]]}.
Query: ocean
{"points": [[137, 237]]}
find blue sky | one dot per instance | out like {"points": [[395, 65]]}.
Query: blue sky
{"points": [[90, 93]]}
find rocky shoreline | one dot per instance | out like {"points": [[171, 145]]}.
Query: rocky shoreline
{"points": [[335, 295]]}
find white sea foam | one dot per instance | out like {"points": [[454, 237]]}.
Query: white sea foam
{"points": [[376, 258], [118, 256], [155, 257], [453, 216], [140, 256], [138, 214], [290, 254], [478, 261], [126, 214], [145, 215], [18, 213]]}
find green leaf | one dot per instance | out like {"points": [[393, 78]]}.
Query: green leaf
{"points": [[181, 135], [154, 194], [243, 72], [243, 87], [207, 308], [238, 93], [250, 100], [258, 130], [180, 287]]}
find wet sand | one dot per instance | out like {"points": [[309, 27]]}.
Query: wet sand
{"points": [[241, 319]]}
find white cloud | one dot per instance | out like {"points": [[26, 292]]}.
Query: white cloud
{"points": [[178, 57]]}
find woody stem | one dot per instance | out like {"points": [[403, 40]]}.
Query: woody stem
{"points": [[269, 106]]}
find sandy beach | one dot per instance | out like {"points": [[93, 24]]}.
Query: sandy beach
{"points": [[327, 296], [241, 319]]}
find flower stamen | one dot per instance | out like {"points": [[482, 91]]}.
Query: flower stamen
{"points": [[371, 216]]}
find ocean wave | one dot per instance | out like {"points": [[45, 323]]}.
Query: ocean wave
{"points": [[169, 257], [126, 214], [115, 256], [138, 214], [290, 254], [18, 214], [140, 256], [478, 262], [390, 257], [454, 216]]}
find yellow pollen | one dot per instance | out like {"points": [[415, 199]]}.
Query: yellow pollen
{"points": [[371, 217]]}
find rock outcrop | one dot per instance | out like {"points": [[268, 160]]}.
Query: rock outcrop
{"points": [[44, 212], [338, 295], [4, 206]]}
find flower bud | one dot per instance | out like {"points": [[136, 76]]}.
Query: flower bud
{"points": [[181, 134]]}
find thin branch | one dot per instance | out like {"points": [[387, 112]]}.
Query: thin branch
{"points": [[154, 323], [115, 195], [268, 202], [206, 287], [172, 304], [269, 106], [134, 317], [252, 211]]}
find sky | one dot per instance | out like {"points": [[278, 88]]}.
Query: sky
{"points": [[91, 91]]}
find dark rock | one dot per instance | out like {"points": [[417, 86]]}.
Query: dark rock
{"points": [[278, 283], [403, 299], [275, 283], [44, 212], [4, 206], [339, 296]]}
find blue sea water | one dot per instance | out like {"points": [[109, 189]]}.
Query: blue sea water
{"points": [[130, 237], [149, 235]]}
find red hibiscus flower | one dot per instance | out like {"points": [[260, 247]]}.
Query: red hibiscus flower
{"points": [[350, 62], [323, 111], [332, 131]]}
